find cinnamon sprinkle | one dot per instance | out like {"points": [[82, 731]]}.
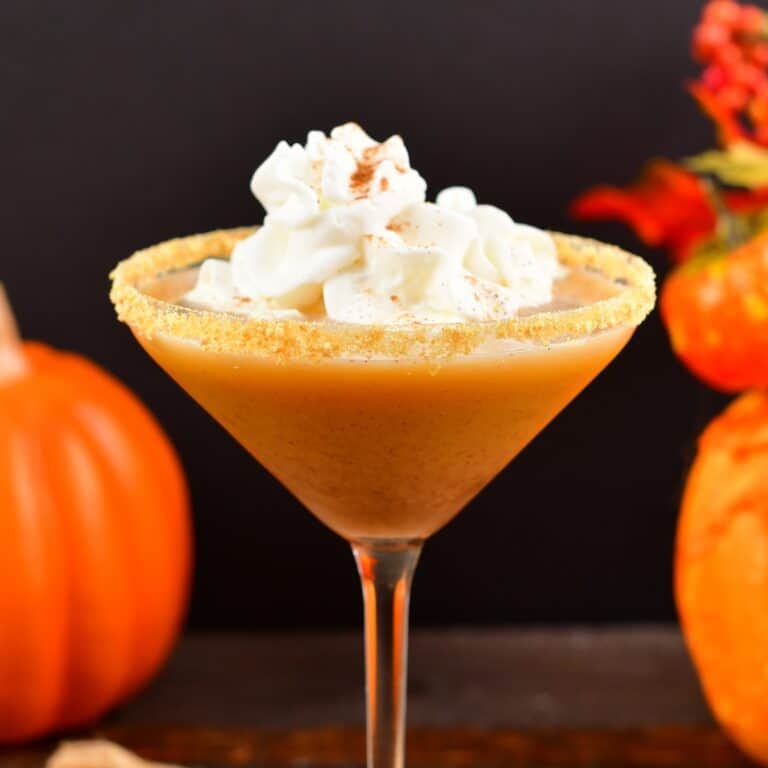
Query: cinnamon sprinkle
{"points": [[360, 180]]}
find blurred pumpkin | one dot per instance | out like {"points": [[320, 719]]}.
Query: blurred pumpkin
{"points": [[716, 311], [722, 569], [94, 539]]}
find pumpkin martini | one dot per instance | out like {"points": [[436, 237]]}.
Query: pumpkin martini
{"points": [[382, 356]]}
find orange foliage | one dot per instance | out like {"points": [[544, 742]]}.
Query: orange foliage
{"points": [[667, 207]]}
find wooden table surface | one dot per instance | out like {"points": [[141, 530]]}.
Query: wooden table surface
{"points": [[493, 697]]}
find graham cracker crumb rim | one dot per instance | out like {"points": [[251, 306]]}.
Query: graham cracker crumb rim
{"points": [[311, 339]]}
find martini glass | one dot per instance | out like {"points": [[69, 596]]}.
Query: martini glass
{"points": [[384, 432]]}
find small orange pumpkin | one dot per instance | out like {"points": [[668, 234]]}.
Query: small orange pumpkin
{"points": [[716, 312], [721, 569], [95, 540]]}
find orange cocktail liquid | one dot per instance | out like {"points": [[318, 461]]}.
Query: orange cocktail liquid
{"points": [[387, 449]]}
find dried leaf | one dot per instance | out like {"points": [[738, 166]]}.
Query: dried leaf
{"points": [[97, 753]]}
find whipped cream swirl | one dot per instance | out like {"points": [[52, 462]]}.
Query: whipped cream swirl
{"points": [[348, 235]]}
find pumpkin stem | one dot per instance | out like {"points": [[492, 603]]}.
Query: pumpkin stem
{"points": [[12, 360]]}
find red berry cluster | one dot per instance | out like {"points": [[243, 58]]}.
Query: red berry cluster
{"points": [[731, 41]]}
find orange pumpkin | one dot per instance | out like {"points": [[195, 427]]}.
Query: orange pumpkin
{"points": [[94, 540], [722, 569], [716, 312]]}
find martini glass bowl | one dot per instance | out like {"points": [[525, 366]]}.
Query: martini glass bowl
{"points": [[384, 432]]}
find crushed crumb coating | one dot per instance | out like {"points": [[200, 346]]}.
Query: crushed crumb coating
{"points": [[294, 339]]}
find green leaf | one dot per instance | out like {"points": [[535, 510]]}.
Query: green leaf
{"points": [[742, 164]]}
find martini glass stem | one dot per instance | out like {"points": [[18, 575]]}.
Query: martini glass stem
{"points": [[386, 570]]}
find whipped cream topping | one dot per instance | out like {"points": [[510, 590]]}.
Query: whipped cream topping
{"points": [[348, 235]]}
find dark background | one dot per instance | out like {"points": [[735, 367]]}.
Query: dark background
{"points": [[125, 123]]}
